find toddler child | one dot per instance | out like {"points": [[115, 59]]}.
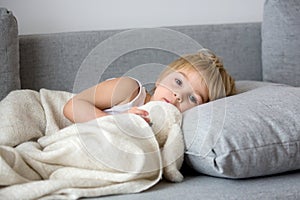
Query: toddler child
{"points": [[189, 81]]}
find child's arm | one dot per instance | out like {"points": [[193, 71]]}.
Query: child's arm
{"points": [[89, 104]]}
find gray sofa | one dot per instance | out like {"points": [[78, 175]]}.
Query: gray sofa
{"points": [[254, 53]]}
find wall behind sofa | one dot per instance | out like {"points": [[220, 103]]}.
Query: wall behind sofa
{"points": [[47, 16]]}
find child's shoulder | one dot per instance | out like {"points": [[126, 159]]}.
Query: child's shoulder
{"points": [[122, 89], [124, 82]]}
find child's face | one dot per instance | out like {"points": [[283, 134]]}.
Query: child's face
{"points": [[184, 89]]}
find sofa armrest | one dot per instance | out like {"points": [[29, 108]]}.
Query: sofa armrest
{"points": [[9, 53]]}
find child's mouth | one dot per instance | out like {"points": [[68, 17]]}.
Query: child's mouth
{"points": [[166, 100]]}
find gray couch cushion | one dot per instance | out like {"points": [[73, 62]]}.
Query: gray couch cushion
{"points": [[250, 134], [9, 53], [281, 42], [279, 187], [54, 61]]}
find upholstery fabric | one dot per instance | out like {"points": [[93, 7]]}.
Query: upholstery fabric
{"points": [[208, 188], [254, 133], [281, 42], [53, 61], [9, 53]]}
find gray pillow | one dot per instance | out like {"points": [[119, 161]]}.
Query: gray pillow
{"points": [[281, 41], [250, 134], [9, 53]]}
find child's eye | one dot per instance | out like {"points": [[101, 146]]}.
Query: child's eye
{"points": [[193, 99], [178, 81]]}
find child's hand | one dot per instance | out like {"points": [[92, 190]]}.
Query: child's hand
{"points": [[143, 113]]}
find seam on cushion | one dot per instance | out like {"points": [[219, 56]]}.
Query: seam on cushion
{"points": [[264, 146], [245, 149]]}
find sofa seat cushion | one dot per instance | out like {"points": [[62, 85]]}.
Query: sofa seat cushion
{"points": [[253, 133], [9, 53], [281, 42]]}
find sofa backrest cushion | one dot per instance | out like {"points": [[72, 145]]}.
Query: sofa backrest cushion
{"points": [[9, 53], [281, 42], [53, 61]]}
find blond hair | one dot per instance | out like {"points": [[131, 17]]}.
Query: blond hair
{"points": [[210, 67]]}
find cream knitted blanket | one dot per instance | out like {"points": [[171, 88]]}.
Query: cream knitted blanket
{"points": [[43, 155]]}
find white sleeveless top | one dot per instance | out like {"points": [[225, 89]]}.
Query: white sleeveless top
{"points": [[137, 101]]}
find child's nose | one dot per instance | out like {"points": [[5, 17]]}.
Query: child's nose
{"points": [[178, 97]]}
